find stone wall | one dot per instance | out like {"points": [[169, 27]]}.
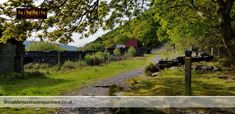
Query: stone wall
{"points": [[7, 57], [51, 57]]}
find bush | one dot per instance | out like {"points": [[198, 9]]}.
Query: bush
{"points": [[151, 68], [99, 56], [89, 59], [117, 53], [106, 54], [37, 66], [131, 52], [70, 65], [96, 59], [227, 61]]}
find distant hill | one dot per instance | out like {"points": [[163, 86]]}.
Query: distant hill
{"points": [[66, 47]]}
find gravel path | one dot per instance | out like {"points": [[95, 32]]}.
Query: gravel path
{"points": [[100, 88]]}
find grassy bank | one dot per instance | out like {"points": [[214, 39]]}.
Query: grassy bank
{"points": [[62, 82], [170, 82], [47, 81]]}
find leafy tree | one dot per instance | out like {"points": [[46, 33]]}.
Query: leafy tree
{"points": [[201, 22], [191, 22], [68, 16], [121, 39], [93, 46]]}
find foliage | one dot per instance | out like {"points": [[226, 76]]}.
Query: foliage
{"points": [[169, 82], [227, 61], [37, 66], [144, 29], [68, 16], [61, 82], [89, 59], [95, 58], [43, 46], [93, 46], [203, 23], [185, 26], [71, 65], [117, 52], [131, 52]]}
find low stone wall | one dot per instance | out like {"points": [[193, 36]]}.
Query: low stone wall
{"points": [[51, 57]]}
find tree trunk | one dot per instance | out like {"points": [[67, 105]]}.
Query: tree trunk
{"points": [[224, 10]]}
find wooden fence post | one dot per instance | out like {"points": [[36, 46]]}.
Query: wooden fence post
{"points": [[212, 51], [188, 64], [108, 58], [59, 60], [80, 59], [94, 58], [22, 64]]}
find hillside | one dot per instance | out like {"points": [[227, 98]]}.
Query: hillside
{"points": [[144, 29], [63, 46]]}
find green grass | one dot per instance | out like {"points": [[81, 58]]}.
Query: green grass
{"points": [[58, 83], [170, 82], [50, 82]]}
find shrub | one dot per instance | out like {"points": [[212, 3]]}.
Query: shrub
{"points": [[89, 59], [106, 54], [117, 53], [131, 52], [151, 68], [96, 59], [37, 66], [99, 56], [70, 65], [227, 61]]}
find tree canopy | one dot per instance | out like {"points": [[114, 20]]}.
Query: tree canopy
{"points": [[67, 17], [204, 23], [143, 28]]}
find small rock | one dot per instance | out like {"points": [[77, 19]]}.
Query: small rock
{"points": [[155, 74], [223, 77]]}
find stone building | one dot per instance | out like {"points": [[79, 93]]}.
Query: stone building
{"points": [[11, 56]]}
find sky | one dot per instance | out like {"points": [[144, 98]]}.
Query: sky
{"points": [[76, 37]]}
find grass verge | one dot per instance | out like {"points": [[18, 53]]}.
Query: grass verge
{"points": [[47, 82], [170, 82]]}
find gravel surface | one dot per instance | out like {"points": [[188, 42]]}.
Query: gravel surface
{"points": [[100, 88]]}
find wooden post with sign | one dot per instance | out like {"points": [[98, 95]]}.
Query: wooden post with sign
{"points": [[27, 13], [188, 64]]}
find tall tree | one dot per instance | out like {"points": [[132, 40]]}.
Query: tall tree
{"points": [[204, 21], [224, 12], [201, 20], [67, 17]]}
